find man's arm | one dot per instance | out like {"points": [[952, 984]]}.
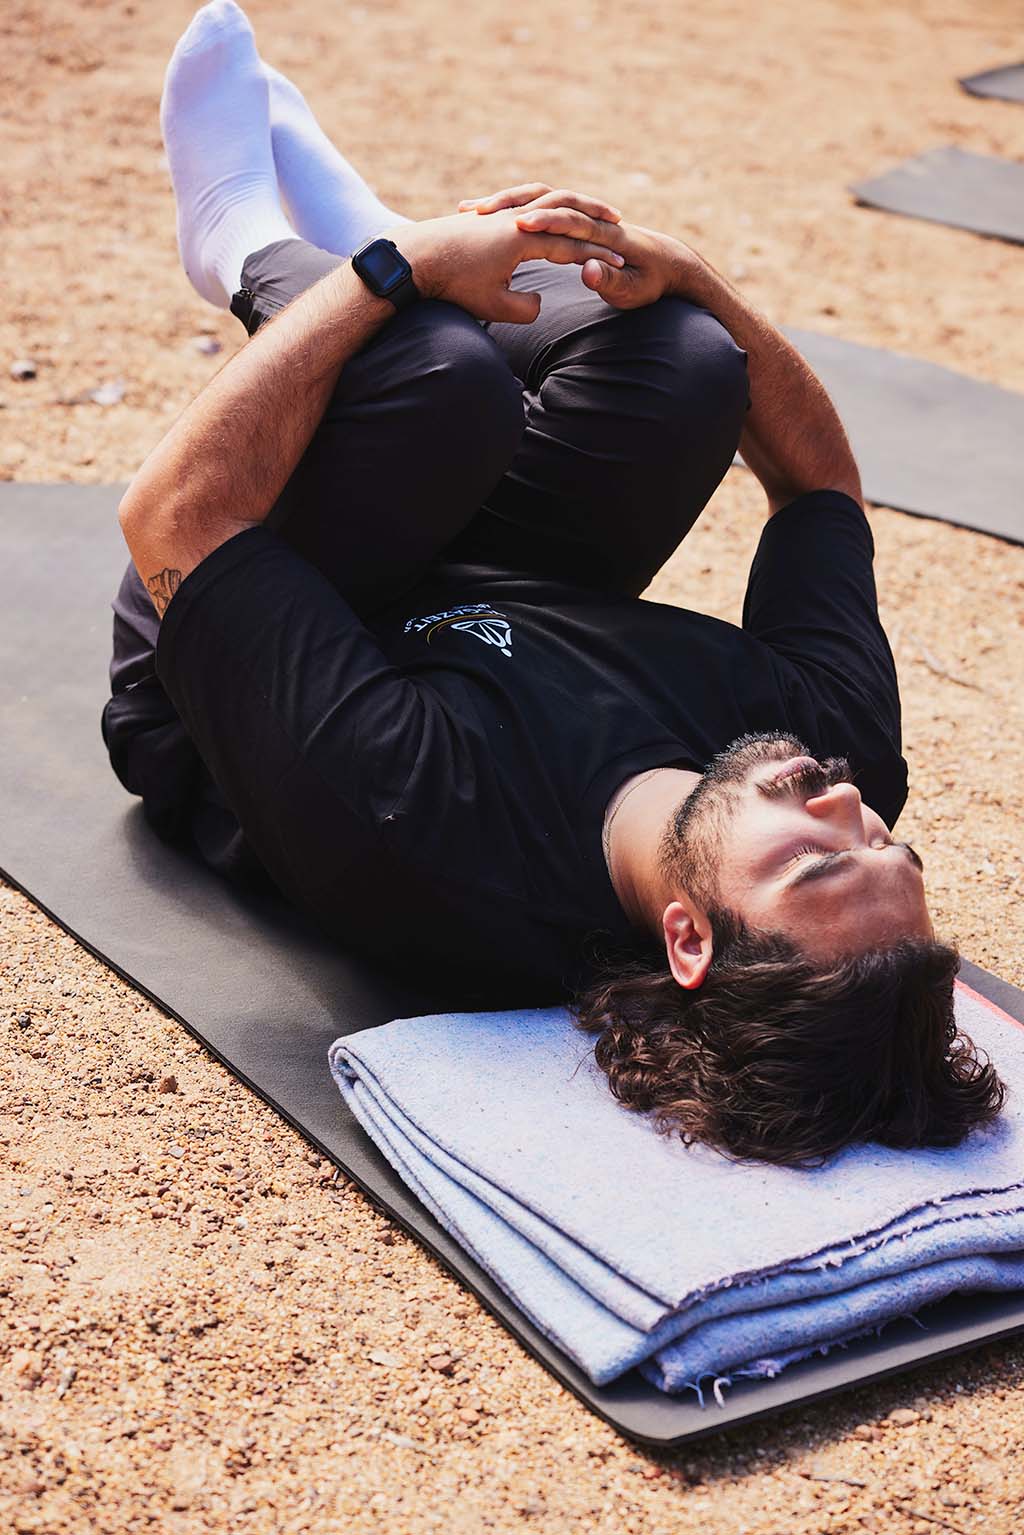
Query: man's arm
{"points": [[227, 458]]}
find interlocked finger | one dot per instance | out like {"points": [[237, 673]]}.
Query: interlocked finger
{"points": [[564, 251], [511, 197], [538, 194], [596, 207], [574, 224]]}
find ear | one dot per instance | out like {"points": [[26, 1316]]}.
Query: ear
{"points": [[688, 943]]}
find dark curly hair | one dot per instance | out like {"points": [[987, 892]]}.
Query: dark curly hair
{"points": [[776, 1058]]}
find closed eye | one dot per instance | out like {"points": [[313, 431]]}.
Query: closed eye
{"points": [[827, 861], [820, 867], [804, 852]]}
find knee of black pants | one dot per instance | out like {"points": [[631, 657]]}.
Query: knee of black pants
{"points": [[466, 378], [687, 381], [464, 403], [702, 376]]}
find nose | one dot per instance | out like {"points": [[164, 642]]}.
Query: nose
{"points": [[840, 804]]}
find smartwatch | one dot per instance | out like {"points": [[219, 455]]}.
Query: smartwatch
{"points": [[386, 272]]}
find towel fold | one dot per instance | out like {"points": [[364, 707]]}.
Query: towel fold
{"points": [[629, 1249]]}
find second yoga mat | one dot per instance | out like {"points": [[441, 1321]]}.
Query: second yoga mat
{"points": [[953, 186], [1003, 84]]}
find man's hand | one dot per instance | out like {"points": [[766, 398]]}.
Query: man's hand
{"points": [[655, 264], [469, 262]]}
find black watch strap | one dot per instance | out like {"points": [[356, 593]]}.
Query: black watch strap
{"points": [[386, 272]]}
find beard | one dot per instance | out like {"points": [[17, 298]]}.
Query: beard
{"points": [[691, 850]]}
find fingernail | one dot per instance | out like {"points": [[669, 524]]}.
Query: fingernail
{"points": [[617, 260]]}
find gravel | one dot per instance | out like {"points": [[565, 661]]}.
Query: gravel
{"points": [[202, 1327]]}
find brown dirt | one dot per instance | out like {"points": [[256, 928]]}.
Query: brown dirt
{"points": [[189, 1301]]}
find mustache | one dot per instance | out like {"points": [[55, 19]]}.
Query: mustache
{"points": [[807, 781]]}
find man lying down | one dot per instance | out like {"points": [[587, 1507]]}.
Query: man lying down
{"points": [[382, 639]]}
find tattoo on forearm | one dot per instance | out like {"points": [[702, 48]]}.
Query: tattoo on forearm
{"points": [[162, 588]]}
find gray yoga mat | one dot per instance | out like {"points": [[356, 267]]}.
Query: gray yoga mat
{"points": [[928, 440], [953, 186], [1003, 84], [264, 993]]}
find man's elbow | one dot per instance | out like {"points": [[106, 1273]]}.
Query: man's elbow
{"points": [[151, 529], [781, 493], [135, 511], [126, 512], [847, 480], [148, 520], [132, 521]]}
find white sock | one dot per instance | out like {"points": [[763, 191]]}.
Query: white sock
{"points": [[329, 202], [215, 119]]}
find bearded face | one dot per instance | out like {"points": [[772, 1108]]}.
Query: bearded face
{"points": [[694, 846]]}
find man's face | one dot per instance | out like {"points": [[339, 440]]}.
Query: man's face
{"points": [[787, 843]]}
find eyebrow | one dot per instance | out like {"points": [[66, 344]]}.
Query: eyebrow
{"points": [[822, 867]]}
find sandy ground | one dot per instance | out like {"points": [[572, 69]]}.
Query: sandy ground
{"points": [[202, 1329]]}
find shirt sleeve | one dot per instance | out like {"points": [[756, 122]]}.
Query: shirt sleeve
{"points": [[308, 730], [811, 598]]}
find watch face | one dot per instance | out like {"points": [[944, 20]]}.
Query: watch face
{"points": [[384, 266]]}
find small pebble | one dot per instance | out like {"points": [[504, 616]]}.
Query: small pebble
{"points": [[167, 1085], [209, 346], [381, 1356], [23, 368], [402, 1440], [903, 1417], [111, 393]]}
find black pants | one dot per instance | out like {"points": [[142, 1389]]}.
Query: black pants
{"points": [[584, 446]]}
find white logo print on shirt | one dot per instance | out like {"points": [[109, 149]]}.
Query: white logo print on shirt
{"points": [[476, 618]]}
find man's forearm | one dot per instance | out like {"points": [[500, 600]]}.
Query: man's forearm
{"points": [[793, 439], [227, 458]]}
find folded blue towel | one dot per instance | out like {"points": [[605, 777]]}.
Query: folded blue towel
{"points": [[626, 1248]]}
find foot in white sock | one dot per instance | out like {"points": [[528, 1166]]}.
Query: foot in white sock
{"points": [[329, 202], [215, 119]]}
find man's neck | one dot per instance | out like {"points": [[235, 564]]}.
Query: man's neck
{"points": [[635, 821]]}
